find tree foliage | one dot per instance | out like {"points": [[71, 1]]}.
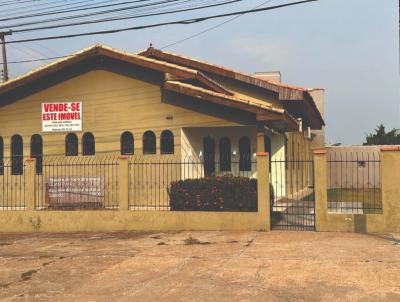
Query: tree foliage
{"points": [[381, 137]]}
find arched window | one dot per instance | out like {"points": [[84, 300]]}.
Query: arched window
{"points": [[244, 154], [209, 156], [127, 143], [37, 152], [1, 156], [149, 142], [225, 154], [71, 144], [17, 155], [88, 144], [167, 142]]}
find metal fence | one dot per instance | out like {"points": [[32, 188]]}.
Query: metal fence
{"points": [[76, 183], [12, 184], [150, 178], [292, 194], [354, 182]]}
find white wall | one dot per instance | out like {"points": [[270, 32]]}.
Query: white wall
{"points": [[192, 146]]}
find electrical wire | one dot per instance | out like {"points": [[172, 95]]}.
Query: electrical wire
{"points": [[179, 22], [211, 28], [79, 8], [128, 17]]}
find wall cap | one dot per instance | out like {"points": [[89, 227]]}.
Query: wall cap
{"points": [[262, 154], [123, 157], [320, 151], [29, 159], [391, 148]]}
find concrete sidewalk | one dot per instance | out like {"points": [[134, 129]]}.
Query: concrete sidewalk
{"points": [[199, 266]]}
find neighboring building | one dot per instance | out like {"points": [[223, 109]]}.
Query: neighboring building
{"points": [[156, 103]]}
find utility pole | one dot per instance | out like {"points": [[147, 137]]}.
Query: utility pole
{"points": [[4, 52]]}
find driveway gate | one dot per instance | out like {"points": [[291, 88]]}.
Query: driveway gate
{"points": [[292, 201]]}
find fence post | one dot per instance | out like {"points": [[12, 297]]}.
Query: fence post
{"points": [[123, 180], [30, 190], [390, 174], [320, 189], [263, 189]]}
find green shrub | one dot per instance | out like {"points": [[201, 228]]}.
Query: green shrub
{"points": [[214, 194]]}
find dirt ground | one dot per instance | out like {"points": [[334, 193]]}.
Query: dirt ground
{"points": [[199, 266]]}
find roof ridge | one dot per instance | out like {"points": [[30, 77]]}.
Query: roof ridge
{"points": [[152, 50]]}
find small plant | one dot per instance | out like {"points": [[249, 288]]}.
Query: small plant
{"points": [[35, 222], [190, 241]]}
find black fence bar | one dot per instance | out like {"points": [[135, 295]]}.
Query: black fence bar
{"points": [[77, 183], [150, 177], [354, 182], [292, 195], [12, 183]]}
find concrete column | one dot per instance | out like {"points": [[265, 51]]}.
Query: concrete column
{"points": [[30, 190], [123, 181], [263, 190], [320, 189], [260, 141]]}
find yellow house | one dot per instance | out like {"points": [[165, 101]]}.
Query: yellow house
{"points": [[152, 104]]}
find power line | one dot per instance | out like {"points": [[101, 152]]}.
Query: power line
{"points": [[42, 46], [87, 14], [74, 10], [190, 8], [26, 9], [212, 27], [37, 60], [6, 3], [180, 22], [157, 5]]}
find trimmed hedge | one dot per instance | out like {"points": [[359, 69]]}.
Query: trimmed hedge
{"points": [[225, 193]]}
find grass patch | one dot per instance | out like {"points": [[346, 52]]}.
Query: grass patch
{"points": [[371, 199]]}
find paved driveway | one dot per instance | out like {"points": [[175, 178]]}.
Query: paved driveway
{"points": [[199, 266]]}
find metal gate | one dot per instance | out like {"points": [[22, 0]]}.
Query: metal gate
{"points": [[292, 195]]}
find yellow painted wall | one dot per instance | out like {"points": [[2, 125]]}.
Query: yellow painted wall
{"points": [[387, 221], [122, 219], [112, 104]]}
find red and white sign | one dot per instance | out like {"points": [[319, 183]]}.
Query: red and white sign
{"points": [[62, 117]]}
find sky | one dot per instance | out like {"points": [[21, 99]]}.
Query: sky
{"points": [[348, 47]]}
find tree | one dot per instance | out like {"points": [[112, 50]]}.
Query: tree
{"points": [[381, 137]]}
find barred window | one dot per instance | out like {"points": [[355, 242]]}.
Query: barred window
{"points": [[17, 155], [1, 156], [244, 154], [37, 152], [225, 154], [209, 156], [167, 142], [71, 144], [88, 144], [127, 143], [149, 142]]}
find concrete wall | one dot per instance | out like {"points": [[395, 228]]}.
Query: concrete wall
{"points": [[318, 95], [387, 221]]}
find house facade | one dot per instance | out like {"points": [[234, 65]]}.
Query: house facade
{"points": [[155, 104]]}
